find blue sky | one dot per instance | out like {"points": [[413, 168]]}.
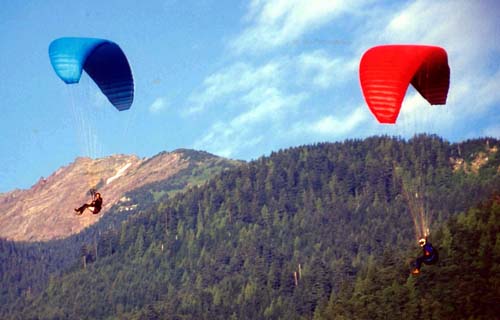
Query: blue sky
{"points": [[236, 78]]}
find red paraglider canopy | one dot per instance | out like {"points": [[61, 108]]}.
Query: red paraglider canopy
{"points": [[386, 71]]}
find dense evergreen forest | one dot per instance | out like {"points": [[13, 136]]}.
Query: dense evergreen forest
{"points": [[25, 268], [313, 232]]}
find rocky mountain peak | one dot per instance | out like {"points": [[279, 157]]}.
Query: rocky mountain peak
{"points": [[46, 210]]}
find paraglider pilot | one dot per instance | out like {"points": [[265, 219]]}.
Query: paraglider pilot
{"points": [[95, 206], [430, 255]]}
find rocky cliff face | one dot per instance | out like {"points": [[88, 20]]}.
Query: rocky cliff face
{"points": [[476, 160], [45, 211]]}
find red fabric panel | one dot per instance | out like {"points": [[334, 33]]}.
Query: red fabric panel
{"points": [[386, 71]]}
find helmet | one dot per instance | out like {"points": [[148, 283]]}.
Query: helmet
{"points": [[422, 242]]}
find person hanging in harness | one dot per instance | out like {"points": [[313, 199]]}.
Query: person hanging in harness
{"points": [[429, 257], [94, 206]]}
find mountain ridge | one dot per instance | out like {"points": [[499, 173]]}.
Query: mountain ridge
{"points": [[45, 210], [286, 236]]}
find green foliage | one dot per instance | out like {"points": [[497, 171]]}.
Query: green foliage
{"points": [[319, 231], [463, 285]]}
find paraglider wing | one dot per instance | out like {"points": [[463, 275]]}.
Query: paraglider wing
{"points": [[386, 71], [432, 79], [104, 62]]}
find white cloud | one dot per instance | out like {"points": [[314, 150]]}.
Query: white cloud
{"points": [[274, 23], [310, 70], [261, 102], [417, 115], [226, 141], [320, 69], [237, 78], [266, 104], [254, 101], [158, 105], [265, 112], [332, 127], [466, 29], [488, 91]]}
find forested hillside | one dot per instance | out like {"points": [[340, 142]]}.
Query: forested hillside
{"points": [[322, 231], [465, 284], [25, 267]]}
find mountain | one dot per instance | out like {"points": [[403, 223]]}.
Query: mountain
{"points": [[312, 232], [45, 211]]}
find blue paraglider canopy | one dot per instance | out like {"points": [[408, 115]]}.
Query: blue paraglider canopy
{"points": [[103, 61]]}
